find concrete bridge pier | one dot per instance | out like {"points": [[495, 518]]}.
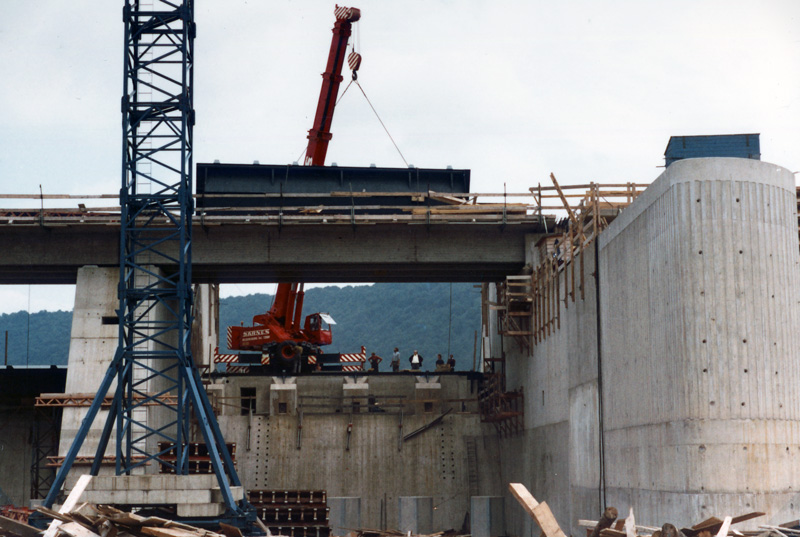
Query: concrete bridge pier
{"points": [[93, 343]]}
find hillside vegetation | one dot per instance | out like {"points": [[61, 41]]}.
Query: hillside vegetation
{"points": [[410, 316]]}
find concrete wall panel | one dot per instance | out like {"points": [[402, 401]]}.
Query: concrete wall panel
{"points": [[435, 463], [557, 457], [700, 340]]}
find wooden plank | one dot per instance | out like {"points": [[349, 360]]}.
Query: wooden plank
{"points": [[69, 504], [585, 523], [229, 531], [183, 531], [748, 516], [630, 524], [17, 528], [73, 529], [726, 524], [564, 200], [546, 521], [713, 524], [523, 496], [540, 512]]}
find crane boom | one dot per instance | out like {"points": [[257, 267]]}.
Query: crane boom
{"points": [[320, 133], [278, 332]]}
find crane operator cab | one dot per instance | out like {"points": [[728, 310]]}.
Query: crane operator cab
{"points": [[318, 328]]}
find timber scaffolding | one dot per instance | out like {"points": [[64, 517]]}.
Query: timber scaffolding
{"points": [[286, 209], [529, 305]]}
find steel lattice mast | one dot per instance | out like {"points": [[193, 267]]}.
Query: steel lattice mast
{"points": [[153, 359]]}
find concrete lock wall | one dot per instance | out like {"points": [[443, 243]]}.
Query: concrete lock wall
{"points": [[557, 456], [699, 321], [700, 290], [374, 464]]}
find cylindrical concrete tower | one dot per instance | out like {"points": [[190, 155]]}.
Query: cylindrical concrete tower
{"points": [[700, 321]]}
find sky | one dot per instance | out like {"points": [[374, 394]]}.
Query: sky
{"points": [[590, 90]]}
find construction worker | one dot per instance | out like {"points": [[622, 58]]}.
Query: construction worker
{"points": [[451, 363], [416, 360], [374, 360], [396, 360], [440, 367]]}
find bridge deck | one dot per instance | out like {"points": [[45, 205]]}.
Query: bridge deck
{"points": [[336, 242]]}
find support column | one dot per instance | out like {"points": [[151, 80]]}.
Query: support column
{"points": [[93, 341]]}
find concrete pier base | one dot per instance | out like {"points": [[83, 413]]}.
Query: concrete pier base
{"points": [[193, 495], [344, 515], [416, 514], [486, 517]]}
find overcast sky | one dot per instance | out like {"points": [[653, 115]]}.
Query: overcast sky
{"points": [[590, 90]]}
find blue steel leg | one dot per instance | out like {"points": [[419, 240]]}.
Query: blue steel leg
{"points": [[101, 446], [231, 469], [208, 436], [86, 424]]}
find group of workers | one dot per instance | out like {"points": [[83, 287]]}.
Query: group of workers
{"points": [[415, 360]]}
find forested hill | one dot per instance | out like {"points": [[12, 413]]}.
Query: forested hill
{"points": [[35, 339], [380, 317], [410, 316]]}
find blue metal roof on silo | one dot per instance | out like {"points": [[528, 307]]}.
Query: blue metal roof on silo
{"points": [[716, 145]]}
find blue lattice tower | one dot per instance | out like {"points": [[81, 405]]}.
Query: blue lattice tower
{"points": [[153, 365]]}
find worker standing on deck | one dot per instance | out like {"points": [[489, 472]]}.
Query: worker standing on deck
{"points": [[440, 367], [374, 360], [451, 362], [416, 360], [396, 360]]}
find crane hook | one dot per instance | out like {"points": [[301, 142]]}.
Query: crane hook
{"points": [[354, 62]]}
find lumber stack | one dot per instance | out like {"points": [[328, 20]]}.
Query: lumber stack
{"points": [[293, 513], [396, 533], [608, 526], [90, 520]]}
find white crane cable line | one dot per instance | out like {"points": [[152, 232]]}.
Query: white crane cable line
{"points": [[381, 122]]}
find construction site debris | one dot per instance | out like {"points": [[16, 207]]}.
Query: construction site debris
{"points": [[540, 512], [10, 527], [608, 518], [711, 527], [90, 520], [395, 533]]}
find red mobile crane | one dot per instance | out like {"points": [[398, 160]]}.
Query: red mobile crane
{"points": [[277, 333]]}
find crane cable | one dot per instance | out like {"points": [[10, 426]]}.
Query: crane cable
{"points": [[381, 121]]}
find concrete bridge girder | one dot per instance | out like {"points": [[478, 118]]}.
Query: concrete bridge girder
{"points": [[257, 253]]}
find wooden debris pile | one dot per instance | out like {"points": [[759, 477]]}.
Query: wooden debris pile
{"points": [[396, 533], [13, 512], [609, 526], [105, 521]]}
